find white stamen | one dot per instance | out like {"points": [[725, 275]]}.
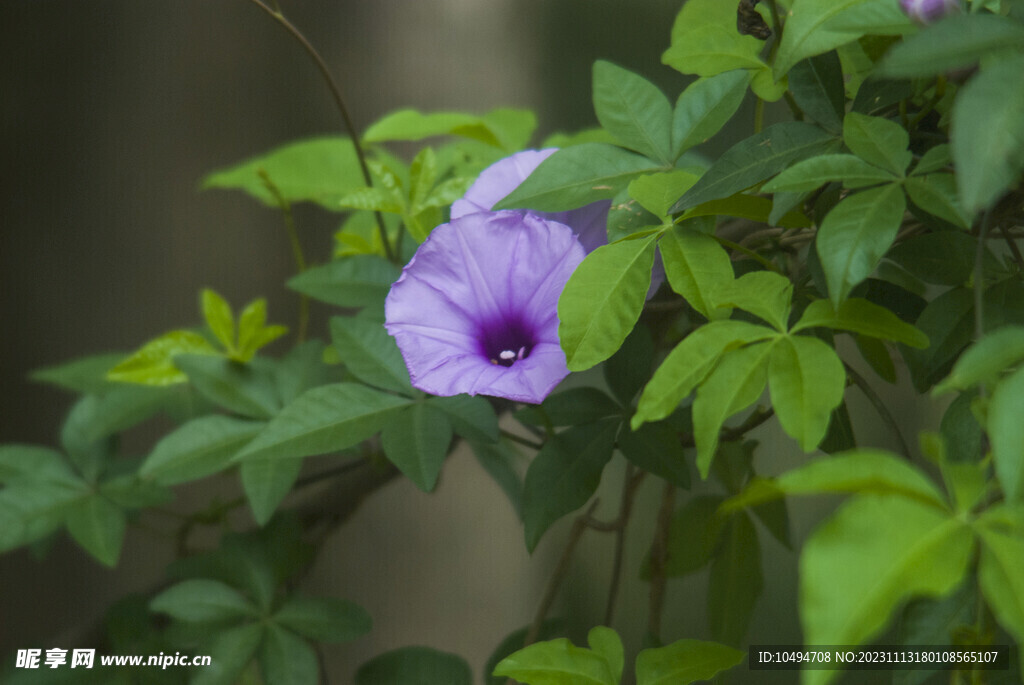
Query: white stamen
{"points": [[509, 354]]}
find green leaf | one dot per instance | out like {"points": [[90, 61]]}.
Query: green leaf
{"points": [[319, 170], [816, 171], [324, 619], [34, 463], [573, 407], [129, 491], [88, 454], [987, 133], [878, 141], [219, 318], [961, 431], [941, 257], [201, 599], [564, 475], [937, 158], [87, 375], [603, 299], [373, 200], [415, 666], [98, 526], [817, 26], [416, 441], [684, 662], [863, 317], [697, 268], [935, 622], [755, 159], [985, 360], [153, 363], [752, 207], [230, 652], [287, 659], [198, 448], [655, 448], [512, 127], [471, 417], [412, 125], [657, 192], [879, 565], [1006, 432], [856, 234], [422, 176], [693, 538], [355, 281], [948, 321], [633, 110], [556, 662], [122, 408], [500, 460], [513, 642], [735, 581], [807, 380], [325, 419], [735, 383], [246, 389], [576, 176], [1002, 583], [817, 87], [877, 355], [765, 294], [955, 42], [704, 107], [606, 643], [370, 353], [689, 363], [936, 194], [627, 370], [859, 471], [267, 481]]}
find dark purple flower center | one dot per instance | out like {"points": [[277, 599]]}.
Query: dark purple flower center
{"points": [[506, 341]]}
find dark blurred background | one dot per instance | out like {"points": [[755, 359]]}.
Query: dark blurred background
{"points": [[111, 112]]}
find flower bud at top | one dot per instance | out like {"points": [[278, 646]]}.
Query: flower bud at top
{"points": [[927, 11]]}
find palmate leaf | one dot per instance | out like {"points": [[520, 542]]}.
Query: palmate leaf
{"points": [[416, 440], [807, 380], [98, 525], [765, 294], [415, 666], [559, 661], [863, 317], [1002, 553], [878, 141], [202, 599], [370, 353], [633, 110], [286, 658], [735, 581], [230, 652], [957, 41], [684, 662], [323, 619], [245, 389], [812, 173], [984, 361], [697, 268], [266, 482], [704, 108], [196, 449], [1006, 431], [816, 84], [355, 281]]}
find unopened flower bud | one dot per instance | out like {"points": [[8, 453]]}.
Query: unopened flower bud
{"points": [[928, 11]]}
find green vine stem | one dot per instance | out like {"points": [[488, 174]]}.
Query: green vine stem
{"points": [[293, 237], [275, 13]]}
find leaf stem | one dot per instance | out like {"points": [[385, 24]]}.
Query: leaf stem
{"points": [[630, 482], [521, 440], [276, 14], [293, 237], [725, 242]]}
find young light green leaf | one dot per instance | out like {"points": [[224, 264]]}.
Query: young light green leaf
{"points": [[879, 564], [606, 643], [936, 194], [319, 170], [817, 87], [1006, 431], [576, 176], [219, 318], [202, 599], [372, 200], [415, 666], [812, 173], [987, 133], [564, 475], [603, 299], [858, 471], [984, 361], [633, 110], [755, 159], [422, 177], [863, 317], [370, 353], [287, 659], [735, 581], [856, 234], [198, 448], [689, 363], [806, 379], [324, 619], [765, 294], [266, 481], [655, 448], [684, 662], [657, 192], [416, 441], [733, 385], [705, 41], [878, 141], [512, 127], [153, 363], [697, 268], [554, 662], [705, 106], [412, 125], [253, 333], [817, 26], [325, 419], [955, 42], [246, 389], [98, 525], [355, 281]]}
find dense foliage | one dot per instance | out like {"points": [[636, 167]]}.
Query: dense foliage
{"points": [[870, 234]]}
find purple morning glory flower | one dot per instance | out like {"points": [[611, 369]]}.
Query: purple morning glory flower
{"points": [[505, 175], [927, 11], [476, 309]]}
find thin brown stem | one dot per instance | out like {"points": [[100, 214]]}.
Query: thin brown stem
{"points": [[526, 442], [293, 237], [275, 13], [659, 560], [630, 482], [1012, 244], [882, 410]]}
